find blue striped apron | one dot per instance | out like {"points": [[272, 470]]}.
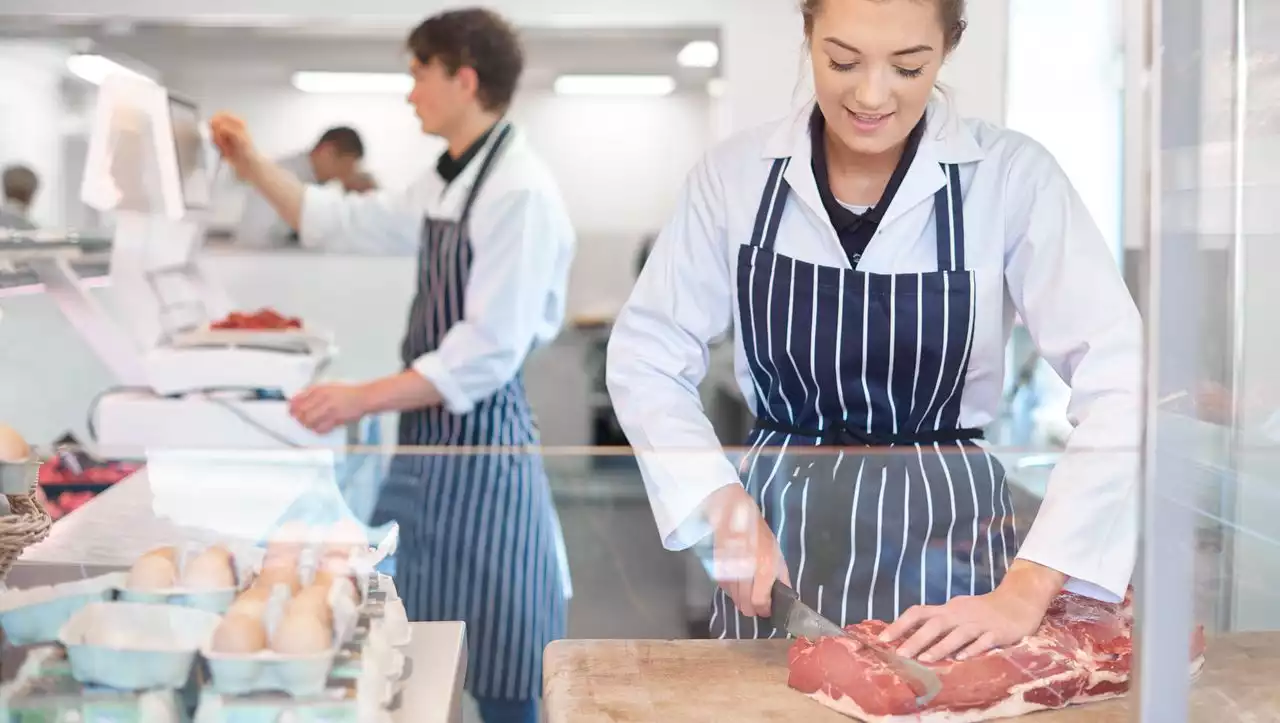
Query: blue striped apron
{"points": [[479, 532], [878, 498]]}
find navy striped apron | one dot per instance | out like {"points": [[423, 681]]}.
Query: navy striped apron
{"points": [[479, 532], [878, 498]]}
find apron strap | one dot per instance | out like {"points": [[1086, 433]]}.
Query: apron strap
{"points": [[842, 435], [948, 205], [772, 203], [483, 173]]}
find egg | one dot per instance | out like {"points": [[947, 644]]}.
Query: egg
{"points": [[347, 587], [301, 633], [292, 537], [239, 634], [156, 570], [344, 537], [336, 564], [13, 448], [313, 599], [279, 574], [251, 603], [213, 569]]}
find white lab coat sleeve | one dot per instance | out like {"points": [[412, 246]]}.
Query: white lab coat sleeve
{"points": [[1062, 278], [658, 355], [381, 222], [516, 243]]}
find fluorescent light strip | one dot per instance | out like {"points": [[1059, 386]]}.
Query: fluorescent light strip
{"points": [[97, 68], [699, 54], [615, 85], [323, 82]]}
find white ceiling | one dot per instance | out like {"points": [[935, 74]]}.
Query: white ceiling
{"points": [[269, 55]]}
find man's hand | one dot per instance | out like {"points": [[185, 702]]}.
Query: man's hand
{"points": [[231, 136], [326, 407], [968, 626], [360, 182]]}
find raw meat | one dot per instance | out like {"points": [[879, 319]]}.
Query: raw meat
{"points": [[263, 320], [1080, 654]]}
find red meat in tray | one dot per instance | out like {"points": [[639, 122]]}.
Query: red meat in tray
{"points": [[261, 320]]}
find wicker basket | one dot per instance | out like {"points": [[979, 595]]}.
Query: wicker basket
{"points": [[27, 523]]}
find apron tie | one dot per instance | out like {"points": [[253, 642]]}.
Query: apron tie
{"points": [[840, 434]]}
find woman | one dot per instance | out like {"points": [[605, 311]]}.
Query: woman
{"points": [[480, 541], [870, 253]]}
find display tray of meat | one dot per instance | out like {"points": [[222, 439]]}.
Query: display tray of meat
{"points": [[261, 320], [72, 477], [1081, 654]]}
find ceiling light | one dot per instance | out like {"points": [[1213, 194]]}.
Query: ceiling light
{"points": [[699, 54], [615, 85], [97, 68], [321, 82]]}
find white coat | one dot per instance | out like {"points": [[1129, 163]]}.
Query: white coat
{"points": [[522, 243], [1036, 253], [260, 226]]}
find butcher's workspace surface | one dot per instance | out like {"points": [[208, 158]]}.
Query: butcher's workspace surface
{"points": [[643, 681]]}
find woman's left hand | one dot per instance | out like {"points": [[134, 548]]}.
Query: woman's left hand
{"points": [[969, 626], [326, 407]]}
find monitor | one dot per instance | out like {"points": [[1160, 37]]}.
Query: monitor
{"points": [[132, 162], [189, 145]]}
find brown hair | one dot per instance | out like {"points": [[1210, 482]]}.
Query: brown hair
{"points": [[20, 184], [478, 39], [951, 13]]}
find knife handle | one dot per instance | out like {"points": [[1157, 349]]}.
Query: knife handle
{"points": [[782, 596], [781, 600]]}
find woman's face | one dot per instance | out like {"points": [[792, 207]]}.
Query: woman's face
{"points": [[875, 63]]}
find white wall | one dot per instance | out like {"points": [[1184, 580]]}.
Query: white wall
{"points": [[620, 161], [30, 119]]}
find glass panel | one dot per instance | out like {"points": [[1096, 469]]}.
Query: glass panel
{"points": [[1212, 502]]}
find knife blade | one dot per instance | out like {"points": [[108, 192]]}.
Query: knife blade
{"points": [[793, 616]]}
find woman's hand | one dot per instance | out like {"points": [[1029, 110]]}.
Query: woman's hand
{"points": [[969, 626], [231, 136], [747, 557]]}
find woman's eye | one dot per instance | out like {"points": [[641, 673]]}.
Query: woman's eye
{"points": [[909, 72], [842, 67]]}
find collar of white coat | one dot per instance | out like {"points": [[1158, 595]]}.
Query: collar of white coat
{"points": [[456, 193], [947, 139]]}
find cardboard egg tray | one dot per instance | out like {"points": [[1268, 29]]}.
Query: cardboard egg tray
{"points": [[46, 691]]}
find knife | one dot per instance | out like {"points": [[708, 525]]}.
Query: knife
{"points": [[794, 617]]}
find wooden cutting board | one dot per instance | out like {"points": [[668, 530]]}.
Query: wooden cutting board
{"points": [[658, 681]]}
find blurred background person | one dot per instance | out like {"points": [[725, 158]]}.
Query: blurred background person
{"points": [[20, 186], [335, 157]]}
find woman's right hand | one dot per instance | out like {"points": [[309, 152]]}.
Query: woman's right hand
{"points": [[747, 557], [231, 136]]}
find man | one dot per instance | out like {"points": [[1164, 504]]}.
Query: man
{"points": [[480, 541], [20, 186], [335, 157]]}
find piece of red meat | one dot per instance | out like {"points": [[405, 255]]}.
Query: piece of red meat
{"points": [[261, 320], [1081, 653]]}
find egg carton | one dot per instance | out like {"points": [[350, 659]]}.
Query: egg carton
{"points": [[19, 478], [44, 691], [135, 646], [297, 675], [213, 600], [36, 615]]}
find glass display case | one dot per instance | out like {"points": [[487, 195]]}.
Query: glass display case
{"points": [[1204, 97]]}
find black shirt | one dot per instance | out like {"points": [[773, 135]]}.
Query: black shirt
{"points": [[449, 168], [855, 230]]}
